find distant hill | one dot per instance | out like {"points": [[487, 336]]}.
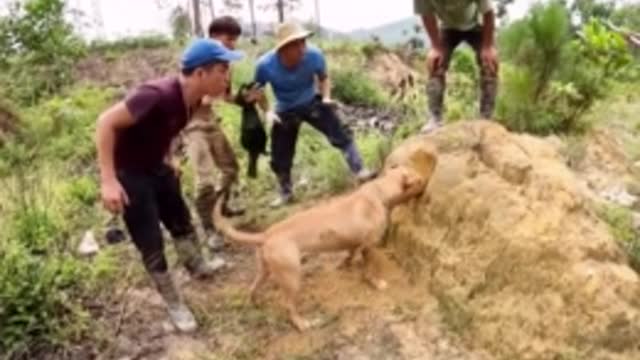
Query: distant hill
{"points": [[394, 33], [267, 29], [398, 32]]}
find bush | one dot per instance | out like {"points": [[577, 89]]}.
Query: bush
{"points": [[42, 285], [62, 128], [37, 50], [355, 88], [154, 41], [555, 79]]}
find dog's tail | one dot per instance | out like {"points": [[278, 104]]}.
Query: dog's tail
{"points": [[227, 229]]}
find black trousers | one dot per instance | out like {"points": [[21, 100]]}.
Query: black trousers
{"points": [[284, 136], [451, 39], [155, 197]]}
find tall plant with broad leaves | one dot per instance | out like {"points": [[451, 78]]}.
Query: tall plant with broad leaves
{"points": [[38, 46], [553, 77]]}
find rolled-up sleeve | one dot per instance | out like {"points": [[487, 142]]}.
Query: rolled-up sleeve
{"points": [[141, 101], [422, 7], [485, 6]]}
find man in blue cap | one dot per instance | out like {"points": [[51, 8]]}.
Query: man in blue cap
{"points": [[133, 139]]}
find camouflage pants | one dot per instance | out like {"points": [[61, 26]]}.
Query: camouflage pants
{"points": [[207, 148], [436, 85]]}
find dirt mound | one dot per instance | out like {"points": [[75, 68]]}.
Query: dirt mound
{"points": [[128, 69], [506, 239]]}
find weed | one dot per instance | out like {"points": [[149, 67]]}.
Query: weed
{"points": [[620, 221], [454, 314]]}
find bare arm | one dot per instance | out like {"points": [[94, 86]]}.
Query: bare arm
{"points": [[324, 87], [488, 29], [488, 53], [115, 118], [431, 25]]}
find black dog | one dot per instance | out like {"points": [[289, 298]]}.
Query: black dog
{"points": [[253, 137]]}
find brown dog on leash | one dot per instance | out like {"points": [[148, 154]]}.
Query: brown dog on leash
{"points": [[354, 222]]}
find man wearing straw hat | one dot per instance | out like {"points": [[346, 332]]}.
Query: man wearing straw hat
{"points": [[292, 69]]}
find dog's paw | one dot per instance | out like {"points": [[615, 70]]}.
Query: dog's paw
{"points": [[381, 284], [302, 324]]}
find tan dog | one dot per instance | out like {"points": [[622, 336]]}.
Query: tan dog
{"points": [[354, 222]]}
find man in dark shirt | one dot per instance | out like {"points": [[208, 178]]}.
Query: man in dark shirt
{"points": [[208, 147], [133, 139]]}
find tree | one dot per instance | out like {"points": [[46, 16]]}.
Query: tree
{"points": [[38, 47], [587, 9], [180, 23], [501, 7], [254, 28], [197, 18], [281, 6], [233, 5], [212, 10], [318, 25], [628, 16]]}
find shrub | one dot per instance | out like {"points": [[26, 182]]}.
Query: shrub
{"points": [[62, 128], [152, 41], [354, 87], [555, 79], [42, 285], [37, 50]]}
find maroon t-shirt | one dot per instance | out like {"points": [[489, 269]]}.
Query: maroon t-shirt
{"points": [[160, 113]]}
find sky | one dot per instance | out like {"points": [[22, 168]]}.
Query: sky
{"points": [[133, 17]]}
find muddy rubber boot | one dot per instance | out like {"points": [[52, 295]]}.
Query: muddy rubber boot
{"points": [[227, 211], [191, 258], [252, 166], [180, 315], [215, 241]]}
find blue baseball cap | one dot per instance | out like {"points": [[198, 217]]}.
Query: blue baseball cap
{"points": [[205, 51]]}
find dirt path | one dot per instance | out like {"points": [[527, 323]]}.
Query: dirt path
{"points": [[355, 321]]}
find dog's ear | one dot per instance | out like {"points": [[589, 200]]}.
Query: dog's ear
{"points": [[411, 180]]}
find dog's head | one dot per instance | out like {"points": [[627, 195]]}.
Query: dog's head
{"points": [[402, 183], [412, 182]]}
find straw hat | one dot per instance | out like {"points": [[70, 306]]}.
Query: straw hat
{"points": [[290, 31]]}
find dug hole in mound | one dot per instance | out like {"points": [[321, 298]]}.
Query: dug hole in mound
{"points": [[508, 242]]}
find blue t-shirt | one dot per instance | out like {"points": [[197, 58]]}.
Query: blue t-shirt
{"points": [[293, 87]]}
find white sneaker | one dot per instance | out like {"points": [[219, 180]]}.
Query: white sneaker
{"points": [[365, 174], [208, 268], [182, 317], [281, 200]]}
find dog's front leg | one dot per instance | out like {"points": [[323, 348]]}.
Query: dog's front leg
{"points": [[289, 278], [374, 263], [350, 259]]}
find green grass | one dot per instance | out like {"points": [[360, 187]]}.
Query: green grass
{"points": [[43, 284], [620, 221]]}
